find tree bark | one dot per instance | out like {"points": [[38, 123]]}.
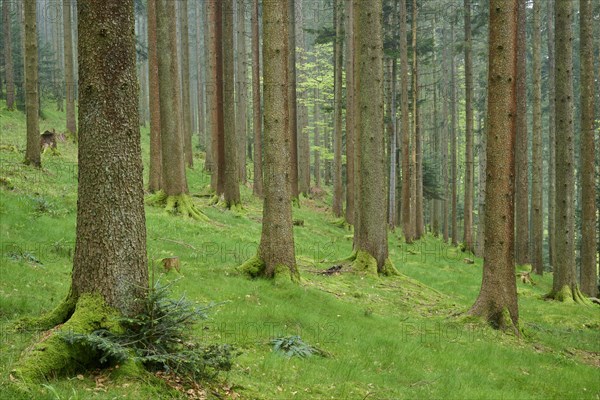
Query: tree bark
{"points": [[69, 75], [537, 181], [445, 217], [338, 58], [453, 145], [241, 114], [551, 133], [303, 139], [8, 58], [407, 214], [293, 114], [350, 137], [589, 275], [185, 83], [417, 150], [392, 222], [199, 78], [155, 178], [497, 301], [32, 151], [317, 139], [256, 103], [469, 160]]}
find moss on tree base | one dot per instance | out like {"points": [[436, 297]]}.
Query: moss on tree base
{"points": [[177, 205], [52, 355], [568, 295], [255, 267], [498, 319], [57, 316], [364, 263]]}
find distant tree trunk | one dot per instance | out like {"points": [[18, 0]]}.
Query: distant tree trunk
{"points": [[200, 81], [392, 222], [8, 58], [69, 75], [417, 150], [32, 151], [564, 280], [522, 161], [256, 103], [453, 142], [469, 160], [551, 134], [155, 177], [276, 254], [480, 248], [589, 276], [445, 182], [407, 214], [232, 188], [293, 117], [537, 182], [338, 59], [436, 209], [350, 137], [214, 11], [317, 140], [241, 88], [209, 163], [497, 301], [185, 83], [303, 139]]}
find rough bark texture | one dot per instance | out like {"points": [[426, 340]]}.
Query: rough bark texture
{"points": [[303, 139], [497, 301], [417, 149], [256, 104], [232, 188], [32, 151], [589, 275], [317, 139], [155, 177], [293, 114], [276, 252], [392, 214], [199, 78], [173, 162], [350, 142], [186, 108], [241, 114], [8, 59], [110, 251], [522, 159], [407, 215], [564, 282], [338, 59], [208, 162], [480, 247], [469, 160], [551, 132], [537, 181], [69, 75], [453, 145], [371, 240], [212, 94], [445, 224]]}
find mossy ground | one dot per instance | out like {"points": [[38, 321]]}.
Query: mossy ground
{"points": [[402, 336]]}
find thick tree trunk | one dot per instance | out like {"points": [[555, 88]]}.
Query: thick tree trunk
{"points": [[350, 137], [497, 301], [186, 108], [276, 255], [215, 94], [256, 103], [155, 178], [469, 160], [417, 149], [338, 59], [480, 248], [293, 114], [32, 151], [232, 188], [209, 164], [69, 75], [589, 275], [241, 114], [407, 214], [537, 181], [521, 177], [551, 133]]}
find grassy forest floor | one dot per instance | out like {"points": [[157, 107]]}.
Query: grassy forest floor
{"points": [[398, 337]]}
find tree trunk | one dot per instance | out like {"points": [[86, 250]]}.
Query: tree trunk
{"points": [[199, 79], [293, 116], [480, 248], [445, 84], [417, 150], [8, 58], [407, 215], [338, 59], [589, 276], [185, 83], [232, 188], [551, 134], [209, 163], [155, 178], [564, 280], [215, 24], [303, 139], [392, 222], [69, 75], [453, 142], [276, 255], [537, 182], [521, 177], [32, 151], [469, 160], [371, 238], [497, 301], [256, 103], [241, 116], [317, 140], [350, 137]]}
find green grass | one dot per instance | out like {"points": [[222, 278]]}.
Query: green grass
{"points": [[399, 337]]}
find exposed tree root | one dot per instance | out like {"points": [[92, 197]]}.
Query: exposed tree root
{"points": [[57, 316], [498, 318], [177, 205], [52, 355], [569, 295], [255, 267], [363, 263]]}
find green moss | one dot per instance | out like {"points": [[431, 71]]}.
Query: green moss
{"points": [[253, 267], [283, 274], [57, 316], [389, 269], [52, 355], [364, 263], [177, 205], [129, 369], [564, 295]]}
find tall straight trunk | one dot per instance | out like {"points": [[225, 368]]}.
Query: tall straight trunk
{"points": [[371, 238], [256, 103], [32, 151], [172, 140], [537, 181], [155, 177], [589, 276], [215, 94], [338, 59], [200, 62], [392, 222], [293, 103], [186, 108], [445, 182], [497, 300], [317, 139], [8, 58], [521, 177], [551, 133], [350, 142], [436, 209], [469, 160], [303, 139], [480, 247], [418, 150], [232, 188], [209, 163], [241, 114], [453, 143], [69, 73], [564, 280], [407, 214]]}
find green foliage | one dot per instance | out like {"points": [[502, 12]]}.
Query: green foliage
{"points": [[294, 346], [160, 338]]}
